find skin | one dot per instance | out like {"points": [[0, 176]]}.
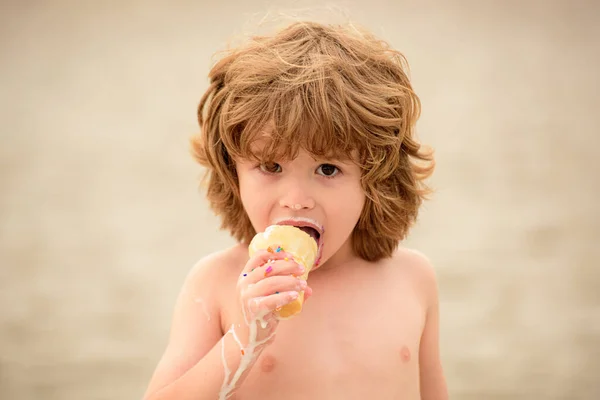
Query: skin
{"points": [[369, 330]]}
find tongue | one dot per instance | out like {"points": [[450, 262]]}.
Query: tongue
{"points": [[311, 231]]}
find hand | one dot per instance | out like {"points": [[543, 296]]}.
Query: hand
{"points": [[268, 282]]}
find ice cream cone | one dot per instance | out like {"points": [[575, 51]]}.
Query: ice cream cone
{"points": [[296, 242]]}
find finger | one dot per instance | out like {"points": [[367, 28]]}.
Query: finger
{"points": [[283, 267], [275, 284], [272, 302], [287, 266], [260, 258], [307, 292]]}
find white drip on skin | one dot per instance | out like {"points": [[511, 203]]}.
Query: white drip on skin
{"points": [[227, 371], [199, 300], [236, 338], [248, 352]]}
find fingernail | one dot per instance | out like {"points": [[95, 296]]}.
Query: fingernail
{"points": [[293, 295], [302, 283]]}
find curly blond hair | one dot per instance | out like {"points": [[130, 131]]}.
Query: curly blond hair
{"points": [[333, 90]]}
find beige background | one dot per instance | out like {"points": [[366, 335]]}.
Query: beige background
{"points": [[101, 218]]}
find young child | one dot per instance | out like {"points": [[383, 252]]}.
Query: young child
{"points": [[313, 126]]}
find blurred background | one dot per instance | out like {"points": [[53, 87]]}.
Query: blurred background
{"points": [[101, 216]]}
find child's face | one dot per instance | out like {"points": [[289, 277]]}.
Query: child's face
{"points": [[326, 191]]}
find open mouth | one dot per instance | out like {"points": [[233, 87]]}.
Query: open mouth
{"points": [[312, 232], [316, 235], [309, 226]]}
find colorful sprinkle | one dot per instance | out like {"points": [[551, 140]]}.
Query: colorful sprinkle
{"points": [[269, 269], [270, 249], [286, 259], [245, 274], [252, 270], [276, 292], [278, 249], [243, 352]]}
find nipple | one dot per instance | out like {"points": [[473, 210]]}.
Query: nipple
{"points": [[267, 364], [405, 354]]}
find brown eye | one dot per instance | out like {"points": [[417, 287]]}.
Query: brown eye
{"points": [[270, 167], [328, 170]]}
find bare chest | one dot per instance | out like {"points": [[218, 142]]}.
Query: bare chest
{"points": [[357, 336]]}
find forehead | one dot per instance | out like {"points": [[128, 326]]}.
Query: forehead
{"points": [[265, 151], [268, 145]]}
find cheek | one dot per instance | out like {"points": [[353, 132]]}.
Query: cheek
{"points": [[254, 199], [347, 206], [247, 190], [354, 209]]}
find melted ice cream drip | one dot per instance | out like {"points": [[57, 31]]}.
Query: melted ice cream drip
{"points": [[199, 300], [248, 353]]}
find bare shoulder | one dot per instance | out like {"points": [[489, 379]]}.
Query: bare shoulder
{"points": [[196, 323], [414, 260], [419, 269], [216, 266], [203, 287]]}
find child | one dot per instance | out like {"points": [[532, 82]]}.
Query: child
{"points": [[313, 126]]}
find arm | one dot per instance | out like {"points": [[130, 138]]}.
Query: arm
{"points": [[433, 382], [200, 361], [192, 366]]}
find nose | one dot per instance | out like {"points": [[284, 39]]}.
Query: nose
{"points": [[296, 197]]}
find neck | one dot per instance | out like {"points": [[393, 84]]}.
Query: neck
{"points": [[344, 256]]}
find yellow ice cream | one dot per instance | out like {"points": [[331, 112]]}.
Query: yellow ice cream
{"points": [[296, 242]]}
